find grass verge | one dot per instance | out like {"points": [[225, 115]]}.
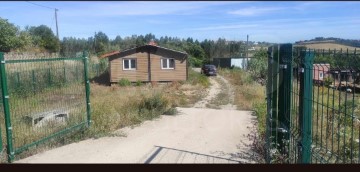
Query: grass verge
{"points": [[222, 98], [250, 95]]}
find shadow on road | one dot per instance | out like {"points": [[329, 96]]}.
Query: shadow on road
{"points": [[172, 155]]}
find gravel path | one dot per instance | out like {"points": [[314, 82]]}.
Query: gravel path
{"points": [[195, 135], [212, 92]]}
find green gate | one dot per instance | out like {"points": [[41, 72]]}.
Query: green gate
{"points": [[313, 105], [43, 99]]}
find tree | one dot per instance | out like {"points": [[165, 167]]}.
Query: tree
{"points": [[117, 41], [101, 42], [43, 36], [72, 45], [8, 35], [140, 41], [149, 37], [197, 54], [25, 40], [257, 66], [208, 47]]}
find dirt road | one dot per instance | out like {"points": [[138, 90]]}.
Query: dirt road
{"points": [[195, 135]]}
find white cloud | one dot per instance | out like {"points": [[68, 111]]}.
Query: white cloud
{"points": [[254, 11], [113, 9], [232, 26]]}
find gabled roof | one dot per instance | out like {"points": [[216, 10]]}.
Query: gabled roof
{"points": [[143, 48], [109, 54]]}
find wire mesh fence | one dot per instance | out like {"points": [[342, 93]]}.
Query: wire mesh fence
{"points": [[335, 101], [44, 98], [321, 124]]}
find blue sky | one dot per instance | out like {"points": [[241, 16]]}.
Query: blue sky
{"points": [[278, 22]]}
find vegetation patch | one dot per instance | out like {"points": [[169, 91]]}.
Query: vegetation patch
{"points": [[222, 98], [197, 78], [124, 82], [250, 95]]}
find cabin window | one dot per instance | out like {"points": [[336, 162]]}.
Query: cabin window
{"points": [[129, 64], [321, 75], [167, 63]]}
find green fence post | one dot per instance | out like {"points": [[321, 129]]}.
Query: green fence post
{"points": [[5, 97], [98, 69], [268, 139], [49, 76], [272, 99], [305, 105], [1, 144], [284, 102], [64, 74], [18, 79], [76, 74], [275, 93], [33, 80], [87, 88]]}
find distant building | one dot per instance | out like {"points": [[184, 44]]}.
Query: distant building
{"points": [[342, 75], [320, 72], [230, 62]]}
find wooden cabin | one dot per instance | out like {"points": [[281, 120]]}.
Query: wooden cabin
{"points": [[320, 72], [148, 63]]}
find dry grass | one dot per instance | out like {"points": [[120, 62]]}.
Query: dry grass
{"points": [[249, 95], [335, 129], [112, 108], [247, 92], [327, 46], [222, 98]]}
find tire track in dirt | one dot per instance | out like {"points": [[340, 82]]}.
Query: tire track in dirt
{"points": [[215, 89]]}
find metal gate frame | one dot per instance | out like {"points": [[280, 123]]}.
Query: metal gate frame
{"points": [[282, 137], [11, 151]]}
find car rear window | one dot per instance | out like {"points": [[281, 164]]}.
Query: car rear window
{"points": [[209, 66]]}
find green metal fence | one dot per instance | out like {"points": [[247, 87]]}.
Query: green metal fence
{"points": [[313, 99], [2, 129], [97, 69], [43, 99]]}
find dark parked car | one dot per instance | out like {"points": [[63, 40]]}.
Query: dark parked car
{"points": [[209, 70]]}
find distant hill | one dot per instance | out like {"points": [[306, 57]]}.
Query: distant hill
{"points": [[317, 40], [326, 46]]}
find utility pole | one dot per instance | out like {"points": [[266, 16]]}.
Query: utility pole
{"points": [[95, 43], [246, 51], [57, 29]]}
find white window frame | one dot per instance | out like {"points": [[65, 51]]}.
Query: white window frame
{"points": [[167, 63], [129, 59], [321, 75]]}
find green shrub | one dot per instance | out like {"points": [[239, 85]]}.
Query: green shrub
{"points": [[171, 111], [328, 81], [150, 107], [260, 112], [138, 83], [197, 78], [194, 62], [124, 82], [348, 108]]}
